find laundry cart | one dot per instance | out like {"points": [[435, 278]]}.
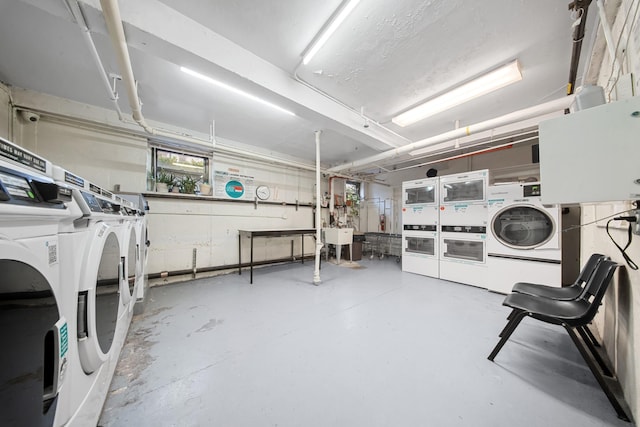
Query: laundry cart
{"points": [[383, 244], [374, 244], [394, 246]]}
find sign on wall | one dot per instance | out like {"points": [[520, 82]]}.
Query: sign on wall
{"points": [[233, 185]]}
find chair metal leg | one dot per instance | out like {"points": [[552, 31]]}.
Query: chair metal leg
{"points": [[512, 316], [592, 337], [506, 333], [608, 383], [510, 319], [599, 357]]}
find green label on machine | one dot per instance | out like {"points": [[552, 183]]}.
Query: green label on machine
{"points": [[64, 340]]}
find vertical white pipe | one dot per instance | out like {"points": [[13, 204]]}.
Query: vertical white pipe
{"points": [[316, 272], [606, 30]]}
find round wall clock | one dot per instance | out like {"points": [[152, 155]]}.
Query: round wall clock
{"points": [[263, 192]]}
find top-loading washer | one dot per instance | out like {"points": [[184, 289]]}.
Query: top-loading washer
{"points": [[463, 227], [34, 312], [93, 256], [524, 239], [420, 227]]}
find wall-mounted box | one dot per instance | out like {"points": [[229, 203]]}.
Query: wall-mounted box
{"points": [[592, 155]]}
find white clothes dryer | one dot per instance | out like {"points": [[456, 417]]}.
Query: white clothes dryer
{"points": [[463, 227], [524, 239], [34, 312], [420, 227], [463, 254]]}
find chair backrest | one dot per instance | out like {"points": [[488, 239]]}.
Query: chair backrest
{"points": [[596, 287], [588, 269]]}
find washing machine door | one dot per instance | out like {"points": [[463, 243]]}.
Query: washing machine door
{"points": [[34, 337], [99, 301], [131, 266], [523, 226]]}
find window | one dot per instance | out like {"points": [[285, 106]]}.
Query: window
{"points": [[352, 190], [179, 171]]}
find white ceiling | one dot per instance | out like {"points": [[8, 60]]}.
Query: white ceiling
{"points": [[385, 58]]}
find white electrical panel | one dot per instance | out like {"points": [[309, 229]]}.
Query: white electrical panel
{"points": [[592, 155]]}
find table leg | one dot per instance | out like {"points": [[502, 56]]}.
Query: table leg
{"points": [[302, 249], [251, 263], [239, 254], [338, 253]]}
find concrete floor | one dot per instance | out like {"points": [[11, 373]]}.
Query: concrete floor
{"points": [[371, 346]]}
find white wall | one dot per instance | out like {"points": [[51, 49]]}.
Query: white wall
{"points": [[105, 158], [177, 227], [108, 155]]}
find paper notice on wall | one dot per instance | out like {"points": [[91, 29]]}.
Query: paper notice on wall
{"points": [[231, 184]]}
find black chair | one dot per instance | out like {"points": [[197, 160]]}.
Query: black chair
{"points": [[567, 293], [573, 315], [563, 294]]}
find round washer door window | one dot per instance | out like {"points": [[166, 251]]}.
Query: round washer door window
{"points": [[523, 227]]}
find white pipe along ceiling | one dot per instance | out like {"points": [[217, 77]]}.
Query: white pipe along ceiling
{"points": [[384, 59]]}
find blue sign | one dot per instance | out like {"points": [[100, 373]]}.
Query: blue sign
{"points": [[234, 189]]}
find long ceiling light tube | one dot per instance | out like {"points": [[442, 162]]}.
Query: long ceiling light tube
{"points": [[483, 85], [528, 113], [234, 90], [329, 30]]}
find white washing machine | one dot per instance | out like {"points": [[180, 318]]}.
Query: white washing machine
{"points": [[420, 227], [524, 239], [463, 228], [139, 208], [34, 313], [97, 267]]}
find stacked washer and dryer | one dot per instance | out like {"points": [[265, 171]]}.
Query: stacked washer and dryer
{"points": [[444, 227], [75, 257], [463, 228], [420, 227]]}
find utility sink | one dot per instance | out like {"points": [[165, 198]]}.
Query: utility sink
{"points": [[339, 237]]}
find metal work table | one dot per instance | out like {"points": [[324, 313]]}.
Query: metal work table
{"points": [[250, 234]]}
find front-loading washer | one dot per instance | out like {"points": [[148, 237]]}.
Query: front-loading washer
{"points": [[34, 312], [139, 208], [97, 267], [524, 238], [130, 248]]}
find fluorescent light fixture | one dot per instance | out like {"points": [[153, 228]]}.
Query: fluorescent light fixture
{"points": [[234, 90], [483, 85], [187, 165], [329, 30]]}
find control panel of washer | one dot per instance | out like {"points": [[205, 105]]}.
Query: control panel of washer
{"points": [[23, 189]]}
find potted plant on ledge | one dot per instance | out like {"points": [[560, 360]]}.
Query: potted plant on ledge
{"points": [[205, 188], [164, 181], [187, 185]]}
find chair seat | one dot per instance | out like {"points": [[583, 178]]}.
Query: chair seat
{"points": [[567, 293], [553, 311]]}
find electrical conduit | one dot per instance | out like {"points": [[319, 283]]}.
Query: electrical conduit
{"points": [[528, 113]]}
